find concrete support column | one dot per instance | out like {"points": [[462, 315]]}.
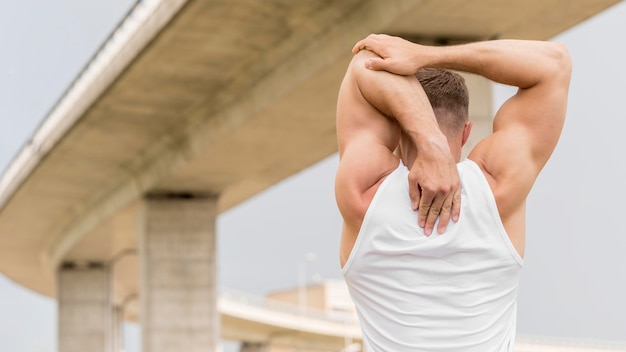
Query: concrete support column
{"points": [[252, 347], [480, 109], [118, 329], [84, 308], [178, 274]]}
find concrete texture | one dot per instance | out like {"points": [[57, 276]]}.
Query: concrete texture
{"points": [[178, 275], [253, 347], [84, 308]]}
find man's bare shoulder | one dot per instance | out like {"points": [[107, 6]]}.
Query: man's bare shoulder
{"points": [[366, 139], [508, 170]]}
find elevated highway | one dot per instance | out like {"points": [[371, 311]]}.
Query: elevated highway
{"points": [[269, 322], [210, 100]]}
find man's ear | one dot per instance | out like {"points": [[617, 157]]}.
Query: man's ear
{"points": [[467, 129]]}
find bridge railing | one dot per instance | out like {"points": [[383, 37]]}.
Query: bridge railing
{"points": [[287, 307]]}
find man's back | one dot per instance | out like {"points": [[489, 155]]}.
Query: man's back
{"points": [[455, 292], [384, 117]]}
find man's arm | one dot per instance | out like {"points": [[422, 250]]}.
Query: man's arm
{"points": [[371, 108], [526, 128]]}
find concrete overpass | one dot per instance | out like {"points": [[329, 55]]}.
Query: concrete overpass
{"points": [[188, 109], [268, 322]]}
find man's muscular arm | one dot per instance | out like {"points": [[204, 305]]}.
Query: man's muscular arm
{"points": [[433, 181], [526, 128], [541, 70]]}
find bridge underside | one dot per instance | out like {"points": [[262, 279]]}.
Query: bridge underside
{"points": [[218, 99]]}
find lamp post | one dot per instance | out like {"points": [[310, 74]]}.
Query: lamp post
{"points": [[302, 299]]}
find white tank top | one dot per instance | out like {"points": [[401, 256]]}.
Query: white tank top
{"points": [[451, 292]]}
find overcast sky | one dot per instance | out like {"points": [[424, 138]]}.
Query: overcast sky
{"points": [[574, 280]]}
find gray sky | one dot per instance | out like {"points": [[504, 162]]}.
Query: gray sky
{"points": [[574, 280]]}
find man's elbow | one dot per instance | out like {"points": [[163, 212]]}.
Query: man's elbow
{"points": [[561, 60], [357, 65]]}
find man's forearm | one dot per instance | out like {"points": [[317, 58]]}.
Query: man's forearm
{"points": [[401, 98], [518, 63]]}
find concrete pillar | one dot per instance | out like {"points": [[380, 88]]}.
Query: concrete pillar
{"points": [[118, 329], [252, 347], [178, 274], [480, 109], [84, 308]]}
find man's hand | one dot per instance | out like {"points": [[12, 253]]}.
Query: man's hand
{"points": [[435, 187], [397, 55]]}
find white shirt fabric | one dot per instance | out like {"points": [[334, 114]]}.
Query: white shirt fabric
{"points": [[451, 292]]}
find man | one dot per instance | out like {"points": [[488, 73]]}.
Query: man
{"points": [[454, 290]]}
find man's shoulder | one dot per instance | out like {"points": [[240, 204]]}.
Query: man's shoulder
{"points": [[510, 173]]}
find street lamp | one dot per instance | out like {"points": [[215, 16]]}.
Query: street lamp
{"points": [[309, 257]]}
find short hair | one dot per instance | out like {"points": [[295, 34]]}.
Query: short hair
{"points": [[448, 95]]}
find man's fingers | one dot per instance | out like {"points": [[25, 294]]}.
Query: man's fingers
{"points": [[444, 216], [440, 196], [422, 214], [358, 46], [365, 43], [433, 214], [376, 64], [415, 193], [362, 44], [423, 209], [456, 206]]}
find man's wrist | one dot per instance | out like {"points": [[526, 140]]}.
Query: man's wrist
{"points": [[451, 57], [433, 144], [428, 132]]}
